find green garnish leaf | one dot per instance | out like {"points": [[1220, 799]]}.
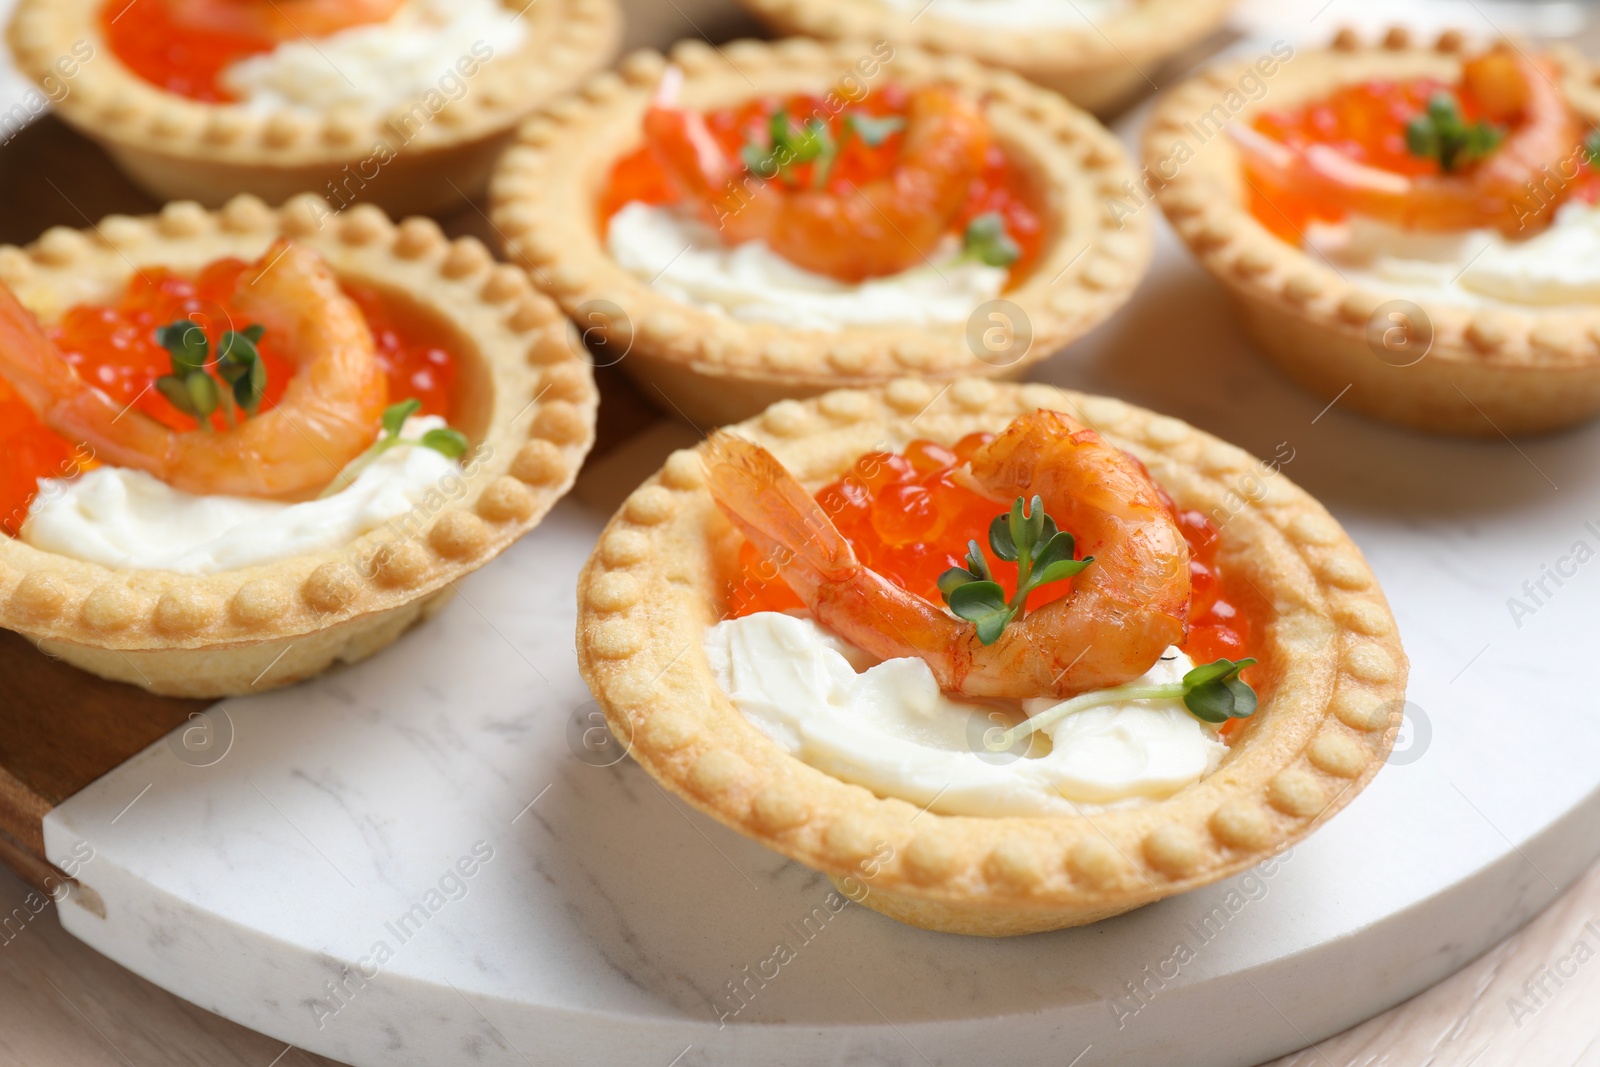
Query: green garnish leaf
{"points": [[1055, 560], [442, 439], [203, 394], [1025, 536], [758, 161], [984, 604], [190, 387], [451, 443], [1441, 133], [986, 241], [186, 343], [395, 415], [1215, 693], [976, 570], [789, 146], [872, 130], [171, 386], [239, 363], [1591, 147], [1001, 543]]}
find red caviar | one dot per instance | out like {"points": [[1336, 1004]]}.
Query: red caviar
{"points": [[1001, 186], [1367, 123], [113, 347], [171, 54], [909, 520]]}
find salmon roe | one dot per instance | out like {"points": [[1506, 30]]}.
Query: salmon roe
{"points": [[113, 347], [172, 55], [1000, 186], [909, 519], [1367, 123]]}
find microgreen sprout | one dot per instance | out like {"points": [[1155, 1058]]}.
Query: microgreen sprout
{"points": [[987, 241], [788, 146], [1213, 692], [1441, 133], [442, 439], [190, 387], [873, 129], [1029, 539]]}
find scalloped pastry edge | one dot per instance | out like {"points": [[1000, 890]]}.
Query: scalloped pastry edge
{"points": [[715, 369], [216, 634], [1489, 371], [1329, 713]]}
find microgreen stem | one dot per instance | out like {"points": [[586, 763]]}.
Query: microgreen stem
{"points": [[1096, 699]]}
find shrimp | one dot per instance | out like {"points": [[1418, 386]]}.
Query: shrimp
{"points": [[328, 415], [1499, 191], [876, 228], [1121, 614], [279, 20]]}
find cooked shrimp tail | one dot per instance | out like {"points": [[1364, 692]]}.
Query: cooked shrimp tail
{"points": [[1497, 191], [1121, 614], [326, 417], [852, 231], [776, 514]]}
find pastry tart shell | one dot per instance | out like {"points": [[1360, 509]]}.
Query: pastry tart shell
{"points": [[1454, 369], [1099, 66], [413, 157], [715, 369], [524, 398], [1332, 683]]}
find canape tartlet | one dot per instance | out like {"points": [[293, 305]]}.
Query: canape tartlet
{"points": [[404, 103], [798, 216], [1271, 575], [1097, 54], [199, 570], [1409, 229]]}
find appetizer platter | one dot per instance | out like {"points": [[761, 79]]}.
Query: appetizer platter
{"points": [[863, 212], [914, 715]]}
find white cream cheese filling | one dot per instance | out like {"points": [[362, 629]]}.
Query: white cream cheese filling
{"points": [[128, 519], [427, 46], [1559, 267], [685, 259], [1015, 14], [886, 726]]}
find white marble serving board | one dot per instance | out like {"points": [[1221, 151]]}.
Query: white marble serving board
{"points": [[611, 919]]}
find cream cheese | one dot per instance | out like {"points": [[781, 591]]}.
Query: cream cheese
{"points": [[886, 726], [1015, 14], [1560, 266], [685, 259], [128, 519], [426, 46]]}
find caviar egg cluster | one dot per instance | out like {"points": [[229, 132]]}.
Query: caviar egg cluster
{"points": [[909, 518], [999, 187]]}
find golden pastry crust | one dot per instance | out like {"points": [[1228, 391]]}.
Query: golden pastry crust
{"points": [[1097, 66], [717, 369], [1490, 370], [1331, 696], [527, 402], [178, 148]]}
